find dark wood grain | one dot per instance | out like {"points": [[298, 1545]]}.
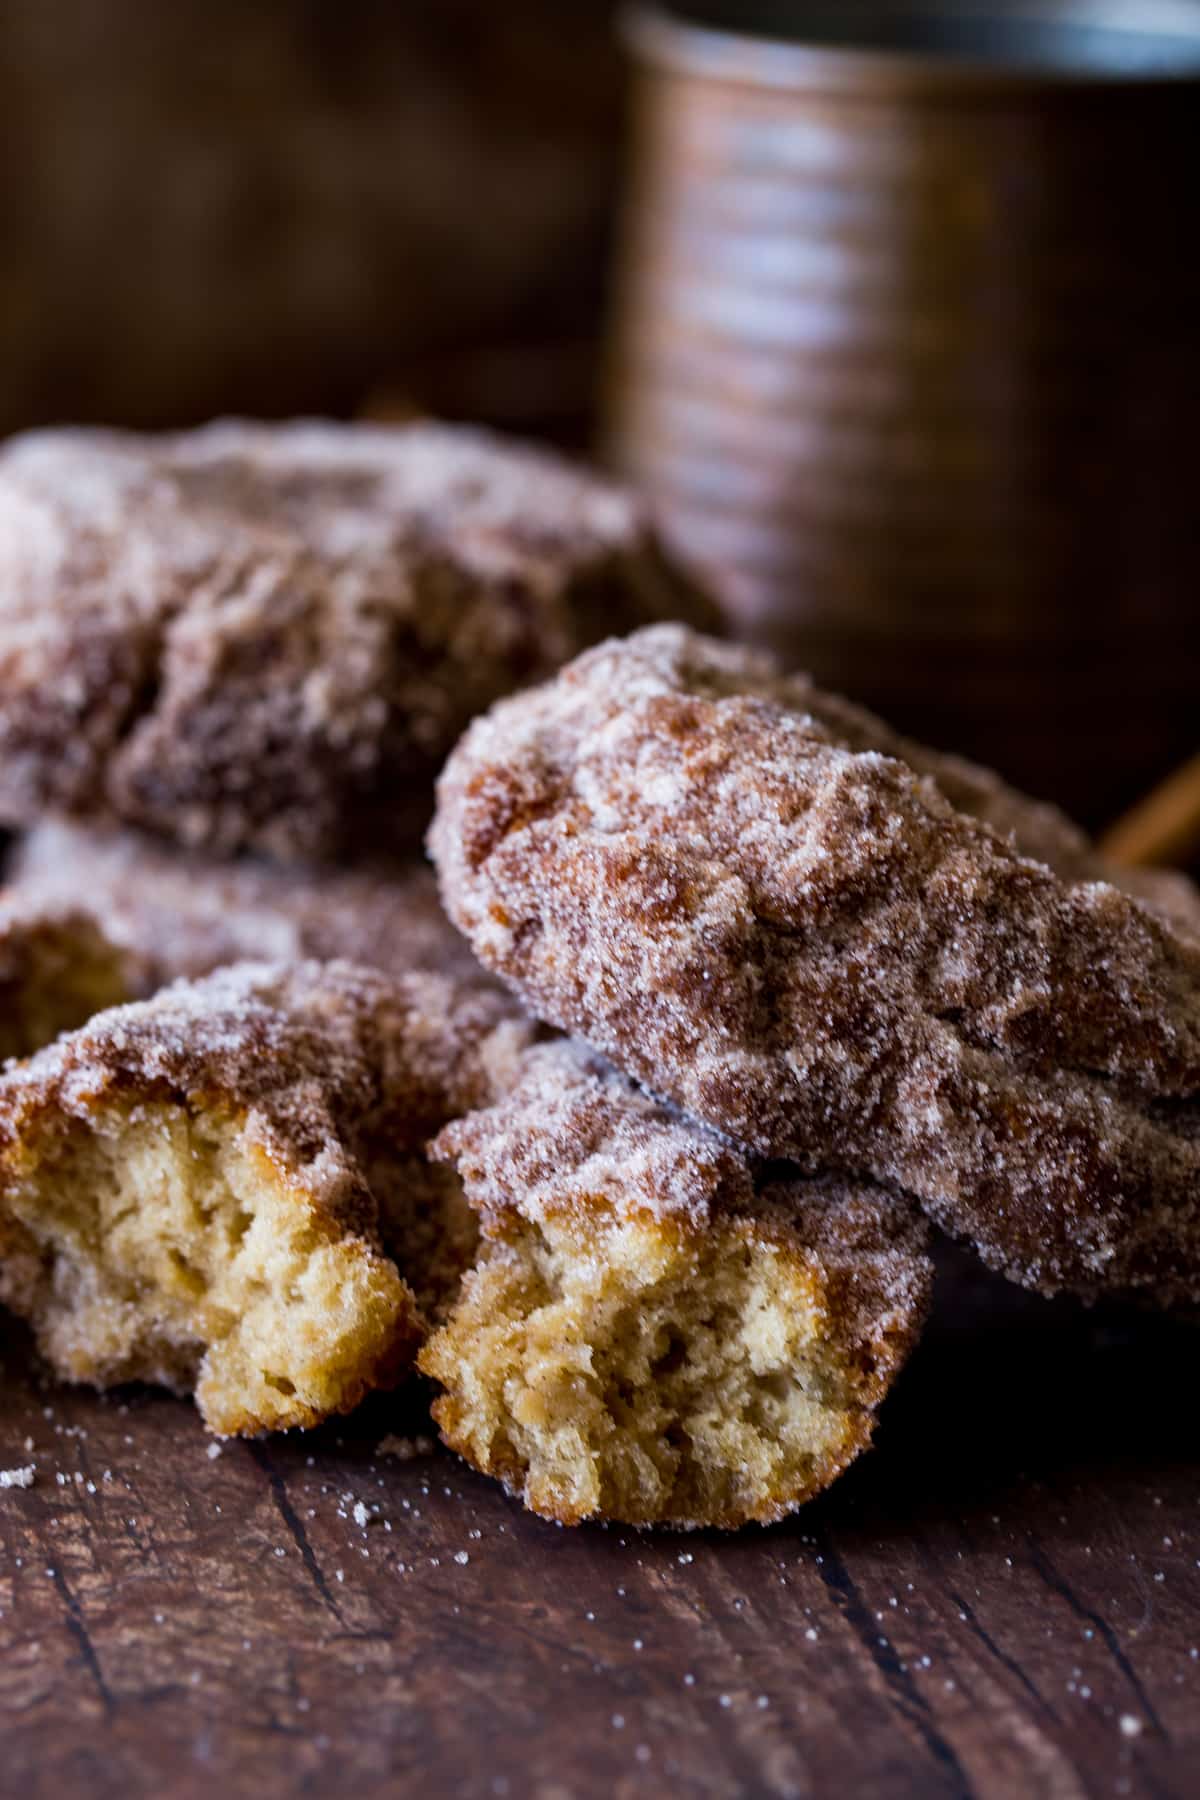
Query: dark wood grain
{"points": [[974, 1610]]}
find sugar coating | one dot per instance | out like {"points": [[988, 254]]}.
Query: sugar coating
{"points": [[312, 1052], [661, 1330], [176, 912], [802, 941], [572, 1130], [214, 1187], [267, 637], [1170, 893]]}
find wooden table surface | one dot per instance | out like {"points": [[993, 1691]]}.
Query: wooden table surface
{"points": [[1002, 1599]]}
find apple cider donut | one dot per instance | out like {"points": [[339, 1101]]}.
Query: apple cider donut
{"points": [[813, 948], [224, 1189], [178, 912], [268, 636], [658, 1332]]}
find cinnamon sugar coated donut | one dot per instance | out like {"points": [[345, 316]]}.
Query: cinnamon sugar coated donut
{"points": [[224, 1189], [658, 1332], [180, 912], [824, 949], [267, 637], [1170, 893]]}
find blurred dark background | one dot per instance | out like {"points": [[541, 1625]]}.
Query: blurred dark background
{"points": [[363, 208], [294, 205]]}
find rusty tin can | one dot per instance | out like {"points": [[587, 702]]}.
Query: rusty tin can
{"points": [[907, 348]]}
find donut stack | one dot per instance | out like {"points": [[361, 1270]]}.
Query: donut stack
{"points": [[231, 664], [862, 981], [751, 993]]}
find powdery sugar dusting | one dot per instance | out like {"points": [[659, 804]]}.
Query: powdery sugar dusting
{"points": [[324, 1060], [728, 885], [269, 636], [176, 912], [573, 1135]]}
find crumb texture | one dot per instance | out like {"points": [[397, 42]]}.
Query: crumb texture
{"points": [[57, 968], [268, 637], [657, 1332], [834, 956], [214, 1189], [176, 912]]}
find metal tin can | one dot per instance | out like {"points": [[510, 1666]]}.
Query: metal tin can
{"points": [[907, 349]]}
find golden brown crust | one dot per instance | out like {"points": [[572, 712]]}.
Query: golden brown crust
{"points": [[180, 913], [268, 637], [568, 1170], [810, 948], [321, 1080]]}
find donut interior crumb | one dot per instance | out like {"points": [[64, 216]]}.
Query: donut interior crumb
{"points": [[638, 1370], [160, 1242], [56, 971]]}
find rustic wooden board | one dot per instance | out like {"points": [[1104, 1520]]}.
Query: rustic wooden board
{"points": [[1003, 1599]]}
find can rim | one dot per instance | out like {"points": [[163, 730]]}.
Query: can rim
{"points": [[665, 39]]}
